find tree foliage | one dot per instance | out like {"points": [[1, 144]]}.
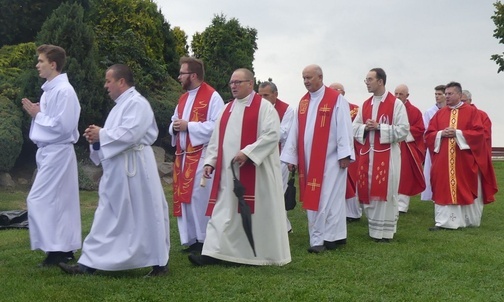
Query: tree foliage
{"points": [[10, 133], [181, 46], [134, 32], [20, 20], [66, 28], [498, 19], [224, 46], [14, 59]]}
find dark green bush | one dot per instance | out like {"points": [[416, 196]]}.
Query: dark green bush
{"points": [[10, 133]]}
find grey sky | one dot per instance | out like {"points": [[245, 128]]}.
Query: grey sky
{"points": [[418, 43]]}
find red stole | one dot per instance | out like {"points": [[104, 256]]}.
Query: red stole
{"points": [[248, 136], [281, 108], [381, 154], [352, 170], [310, 187], [183, 179]]}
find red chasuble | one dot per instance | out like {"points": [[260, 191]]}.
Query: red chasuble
{"points": [[248, 136], [412, 180], [183, 178], [281, 107], [352, 170], [310, 186], [454, 173], [381, 154]]}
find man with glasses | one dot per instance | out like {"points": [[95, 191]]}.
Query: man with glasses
{"points": [[454, 138], [245, 139], [439, 94], [379, 127], [320, 144], [192, 125]]}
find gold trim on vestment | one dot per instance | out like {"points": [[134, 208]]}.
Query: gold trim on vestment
{"points": [[452, 144]]}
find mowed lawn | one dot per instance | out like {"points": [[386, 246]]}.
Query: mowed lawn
{"points": [[418, 265]]}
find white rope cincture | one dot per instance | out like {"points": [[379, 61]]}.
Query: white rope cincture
{"points": [[126, 159]]}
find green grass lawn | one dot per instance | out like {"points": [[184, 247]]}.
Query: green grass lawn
{"points": [[459, 265]]}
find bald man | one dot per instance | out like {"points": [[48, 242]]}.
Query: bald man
{"points": [[412, 180], [353, 209], [320, 143]]}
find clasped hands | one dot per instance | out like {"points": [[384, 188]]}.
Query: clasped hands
{"points": [[31, 108], [449, 132], [371, 125], [92, 134], [180, 125]]}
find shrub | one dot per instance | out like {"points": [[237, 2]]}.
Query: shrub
{"points": [[10, 133]]}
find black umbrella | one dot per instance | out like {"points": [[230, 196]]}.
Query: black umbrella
{"points": [[246, 216]]}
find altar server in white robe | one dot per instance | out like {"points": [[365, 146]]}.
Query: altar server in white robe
{"points": [[439, 91], [130, 227], [53, 201], [379, 127], [192, 125], [320, 143], [247, 132]]}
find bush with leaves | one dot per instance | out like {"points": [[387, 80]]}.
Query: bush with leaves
{"points": [[10, 133]]}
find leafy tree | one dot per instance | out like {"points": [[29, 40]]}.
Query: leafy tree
{"points": [[10, 133], [20, 20], [66, 28], [498, 19], [134, 32], [224, 46], [13, 61], [181, 46]]}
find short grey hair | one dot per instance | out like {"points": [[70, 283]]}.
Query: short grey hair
{"points": [[270, 84], [467, 94]]}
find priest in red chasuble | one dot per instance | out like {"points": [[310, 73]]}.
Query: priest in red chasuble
{"points": [[412, 180], [380, 125], [462, 176], [247, 132], [192, 125], [320, 143]]}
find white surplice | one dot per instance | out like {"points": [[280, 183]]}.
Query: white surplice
{"points": [[226, 239], [285, 125], [192, 223], [382, 215], [426, 195], [53, 201], [130, 227], [329, 222]]}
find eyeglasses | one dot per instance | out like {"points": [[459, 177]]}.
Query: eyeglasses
{"points": [[237, 82], [368, 80], [182, 73]]}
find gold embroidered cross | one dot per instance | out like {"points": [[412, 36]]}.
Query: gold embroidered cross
{"points": [[324, 111], [313, 184]]}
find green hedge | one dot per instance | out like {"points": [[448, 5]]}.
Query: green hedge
{"points": [[10, 133]]}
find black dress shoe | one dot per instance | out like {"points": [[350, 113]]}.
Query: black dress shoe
{"points": [[332, 245], [317, 249], [382, 240], [196, 247], [157, 271], [435, 228], [201, 260], [54, 259], [76, 269], [351, 219]]}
